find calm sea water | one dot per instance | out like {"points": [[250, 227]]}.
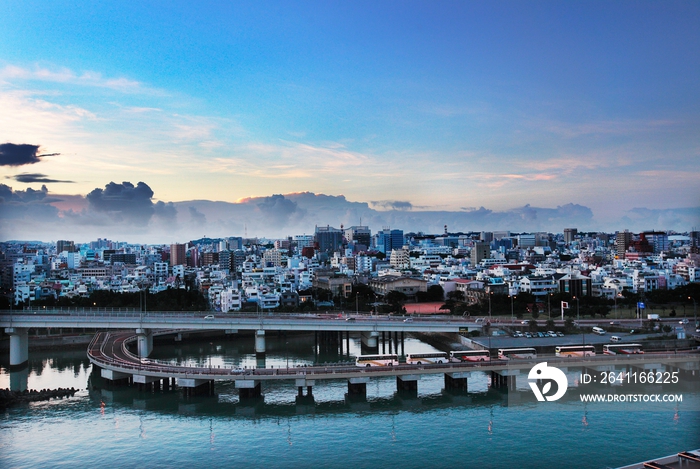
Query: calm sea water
{"points": [[121, 427]]}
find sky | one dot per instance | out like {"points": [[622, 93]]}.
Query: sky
{"points": [[162, 121]]}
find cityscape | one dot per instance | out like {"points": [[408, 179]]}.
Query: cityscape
{"points": [[325, 233], [354, 269]]}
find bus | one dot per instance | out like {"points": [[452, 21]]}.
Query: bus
{"points": [[515, 353], [575, 351], [470, 356], [423, 358], [377, 360], [622, 349]]}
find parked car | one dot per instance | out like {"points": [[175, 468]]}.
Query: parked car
{"points": [[518, 334], [528, 335], [551, 334], [540, 334], [560, 334]]}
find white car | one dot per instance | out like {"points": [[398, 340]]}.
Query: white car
{"points": [[683, 321], [209, 316]]}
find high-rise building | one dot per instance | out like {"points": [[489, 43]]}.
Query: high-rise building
{"points": [[659, 240], [64, 245], [570, 235], [623, 239], [389, 239], [359, 235], [178, 254], [328, 239], [480, 251]]}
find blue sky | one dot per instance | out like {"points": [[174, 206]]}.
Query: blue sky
{"points": [[446, 106]]}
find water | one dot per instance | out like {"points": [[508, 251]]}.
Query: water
{"points": [[122, 427]]}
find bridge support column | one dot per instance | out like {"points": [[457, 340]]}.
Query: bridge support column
{"points": [[196, 387], [248, 388], [457, 380], [369, 340], [260, 343], [407, 382], [19, 347], [145, 342], [301, 382], [357, 386], [504, 379]]}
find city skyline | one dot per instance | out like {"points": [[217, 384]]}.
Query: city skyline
{"points": [[154, 123]]}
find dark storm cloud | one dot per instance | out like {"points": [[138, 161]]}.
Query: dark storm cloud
{"points": [[29, 203], [124, 202], [18, 155], [31, 178], [277, 210]]}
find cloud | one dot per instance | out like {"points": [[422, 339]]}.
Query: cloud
{"points": [[198, 218], [124, 202], [18, 155], [391, 205], [65, 75], [30, 178]]}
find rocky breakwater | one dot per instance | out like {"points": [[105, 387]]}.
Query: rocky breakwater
{"points": [[9, 398]]}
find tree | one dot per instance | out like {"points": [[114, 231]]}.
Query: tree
{"points": [[396, 299], [435, 293]]}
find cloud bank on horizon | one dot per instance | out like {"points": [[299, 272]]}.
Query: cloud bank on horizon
{"points": [[127, 212], [470, 114]]}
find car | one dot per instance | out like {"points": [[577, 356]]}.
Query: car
{"points": [[551, 334], [615, 338], [209, 316], [408, 320], [352, 319], [560, 334], [518, 334], [528, 335], [524, 322], [683, 321], [540, 334], [614, 323]]}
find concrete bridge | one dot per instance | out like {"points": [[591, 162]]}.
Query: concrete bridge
{"points": [[109, 352], [16, 324]]}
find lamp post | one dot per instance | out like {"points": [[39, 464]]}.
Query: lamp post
{"points": [[578, 316], [512, 316], [490, 293], [286, 349], [695, 311], [549, 306]]}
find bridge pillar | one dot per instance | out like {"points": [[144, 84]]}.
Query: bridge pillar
{"points": [[457, 380], [260, 342], [358, 386], [194, 387], [369, 339], [407, 382], [145, 342], [248, 388], [504, 379], [19, 347]]}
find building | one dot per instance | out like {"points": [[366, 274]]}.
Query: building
{"points": [[63, 245], [178, 254], [399, 258], [480, 251], [623, 239], [570, 235], [358, 235], [328, 239], [409, 286], [389, 239]]}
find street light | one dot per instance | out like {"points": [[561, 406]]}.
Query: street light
{"points": [[512, 317], [549, 306], [490, 293], [578, 316], [695, 310]]}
